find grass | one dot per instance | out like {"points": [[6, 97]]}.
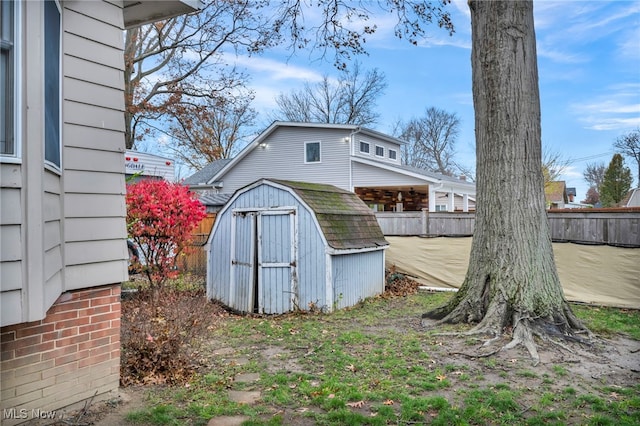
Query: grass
{"points": [[371, 365]]}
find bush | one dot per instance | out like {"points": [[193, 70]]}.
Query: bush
{"points": [[160, 333], [160, 219]]}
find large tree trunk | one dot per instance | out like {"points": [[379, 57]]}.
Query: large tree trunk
{"points": [[511, 282]]}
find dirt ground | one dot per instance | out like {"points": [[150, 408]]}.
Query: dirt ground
{"points": [[615, 362]]}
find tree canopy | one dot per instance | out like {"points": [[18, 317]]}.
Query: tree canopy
{"points": [[616, 182]]}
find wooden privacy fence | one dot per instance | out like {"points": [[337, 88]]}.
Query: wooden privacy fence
{"points": [[615, 227], [195, 260]]}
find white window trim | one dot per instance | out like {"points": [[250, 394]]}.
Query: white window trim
{"points": [[376, 151], [16, 157], [360, 147], [389, 151], [48, 164], [319, 152], [441, 208]]}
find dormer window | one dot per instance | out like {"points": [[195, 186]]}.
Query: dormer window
{"points": [[364, 147], [393, 154], [379, 151]]}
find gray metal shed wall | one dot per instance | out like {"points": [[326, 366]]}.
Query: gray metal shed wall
{"points": [[357, 276]]}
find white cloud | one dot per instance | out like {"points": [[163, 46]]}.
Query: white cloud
{"points": [[276, 70]]}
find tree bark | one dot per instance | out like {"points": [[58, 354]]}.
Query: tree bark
{"points": [[511, 281]]}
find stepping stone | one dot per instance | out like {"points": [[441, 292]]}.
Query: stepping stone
{"points": [[223, 351], [227, 421], [239, 361], [247, 377], [244, 397]]}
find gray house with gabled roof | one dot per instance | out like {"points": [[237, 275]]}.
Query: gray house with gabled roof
{"points": [[363, 161], [279, 246]]}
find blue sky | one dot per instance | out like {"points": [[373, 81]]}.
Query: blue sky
{"points": [[588, 63]]}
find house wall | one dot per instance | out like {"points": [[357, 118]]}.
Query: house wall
{"points": [[63, 230], [372, 149], [366, 175], [283, 158], [64, 358]]}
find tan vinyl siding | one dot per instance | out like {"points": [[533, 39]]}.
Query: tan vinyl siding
{"points": [[94, 274], [94, 128], [283, 158], [41, 256]]}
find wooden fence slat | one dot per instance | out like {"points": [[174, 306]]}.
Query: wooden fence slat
{"points": [[616, 228]]}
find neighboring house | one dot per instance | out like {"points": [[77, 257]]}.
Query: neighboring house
{"points": [[350, 157], [555, 194], [63, 254], [632, 199], [142, 165], [279, 246]]}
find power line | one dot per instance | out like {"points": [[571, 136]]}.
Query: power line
{"points": [[590, 157]]}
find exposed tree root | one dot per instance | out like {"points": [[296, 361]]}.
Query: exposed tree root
{"points": [[500, 320]]}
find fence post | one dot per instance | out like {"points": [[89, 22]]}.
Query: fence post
{"points": [[425, 222]]}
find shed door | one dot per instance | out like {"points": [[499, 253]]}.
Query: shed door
{"points": [[243, 249], [277, 278]]}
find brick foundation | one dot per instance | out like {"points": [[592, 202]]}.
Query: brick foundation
{"points": [[63, 359]]}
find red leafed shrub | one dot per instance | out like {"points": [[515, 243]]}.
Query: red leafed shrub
{"points": [[160, 219]]}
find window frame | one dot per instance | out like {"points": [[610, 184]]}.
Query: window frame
{"points": [[362, 144], [441, 208], [55, 163], [376, 151], [14, 82], [306, 158], [395, 154]]}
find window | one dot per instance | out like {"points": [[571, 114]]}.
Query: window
{"points": [[393, 154], [7, 81], [441, 207], [312, 152], [364, 147], [52, 83], [379, 151]]}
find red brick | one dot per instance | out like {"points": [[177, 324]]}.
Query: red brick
{"points": [[104, 317], [20, 326], [61, 369], [75, 356], [72, 323], [115, 307], [56, 353], [7, 337], [115, 323], [42, 347], [95, 310], [7, 355], [115, 354], [21, 343], [72, 340], [93, 327], [92, 360], [60, 334], [67, 306], [115, 291], [105, 332], [35, 329], [19, 362], [94, 343], [109, 300], [61, 316]]}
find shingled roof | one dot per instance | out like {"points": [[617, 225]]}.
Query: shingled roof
{"points": [[345, 221]]}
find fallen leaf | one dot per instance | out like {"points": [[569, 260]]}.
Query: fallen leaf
{"points": [[358, 404], [441, 377], [331, 396], [351, 367], [388, 402], [292, 386]]}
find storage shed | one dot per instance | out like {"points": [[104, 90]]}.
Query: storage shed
{"points": [[279, 246]]}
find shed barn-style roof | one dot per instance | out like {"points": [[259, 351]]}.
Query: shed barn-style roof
{"points": [[346, 222]]}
